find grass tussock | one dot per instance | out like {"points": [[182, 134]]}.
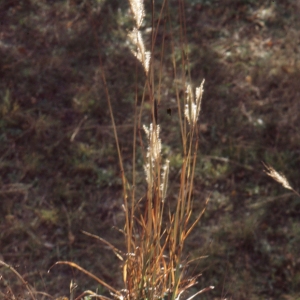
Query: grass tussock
{"points": [[154, 265]]}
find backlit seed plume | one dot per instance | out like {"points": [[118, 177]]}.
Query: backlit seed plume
{"points": [[193, 106], [279, 177], [137, 7], [154, 142], [164, 179], [153, 152], [148, 173], [140, 53]]}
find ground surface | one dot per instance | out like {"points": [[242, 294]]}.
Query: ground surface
{"points": [[58, 161]]}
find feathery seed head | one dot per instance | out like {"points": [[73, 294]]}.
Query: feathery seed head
{"points": [[146, 62], [140, 53], [137, 7], [279, 177], [193, 106], [199, 93], [153, 152], [154, 142], [164, 177], [148, 173]]}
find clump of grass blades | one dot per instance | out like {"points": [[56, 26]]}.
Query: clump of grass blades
{"points": [[153, 265]]}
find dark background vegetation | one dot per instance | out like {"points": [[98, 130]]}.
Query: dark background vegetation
{"points": [[58, 161]]}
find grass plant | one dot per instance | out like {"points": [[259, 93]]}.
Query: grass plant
{"points": [[154, 265]]}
